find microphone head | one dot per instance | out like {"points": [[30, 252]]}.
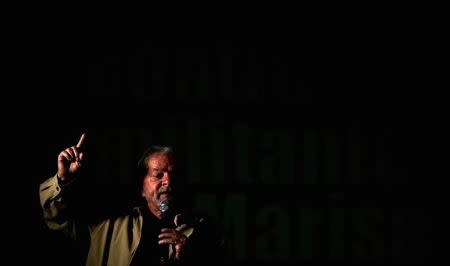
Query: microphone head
{"points": [[164, 205]]}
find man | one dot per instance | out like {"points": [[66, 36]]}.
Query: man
{"points": [[155, 234]]}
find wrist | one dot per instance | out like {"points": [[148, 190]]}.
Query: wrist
{"points": [[62, 180]]}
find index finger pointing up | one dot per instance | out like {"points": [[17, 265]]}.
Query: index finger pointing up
{"points": [[81, 141]]}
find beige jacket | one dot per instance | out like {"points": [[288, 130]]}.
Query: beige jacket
{"points": [[112, 241]]}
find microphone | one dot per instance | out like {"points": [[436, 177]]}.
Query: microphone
{"points": [[164, 208]]}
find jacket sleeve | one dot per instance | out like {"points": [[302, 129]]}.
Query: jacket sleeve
{"points": [[55, 212]]}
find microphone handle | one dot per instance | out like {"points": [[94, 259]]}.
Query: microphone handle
{"points": [[166, 219], [164, 248]]}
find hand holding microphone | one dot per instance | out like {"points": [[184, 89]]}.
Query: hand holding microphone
{"points": [[170, 235]]}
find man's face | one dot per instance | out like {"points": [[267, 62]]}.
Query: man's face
{"points": [[156, 185]]}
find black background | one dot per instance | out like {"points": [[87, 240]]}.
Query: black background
{"points": [[360, 92]]}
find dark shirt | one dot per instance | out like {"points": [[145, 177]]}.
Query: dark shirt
{"points": [[149, 252], [206, 245]]}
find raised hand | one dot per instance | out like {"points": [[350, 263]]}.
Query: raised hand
{"points": [[70, 160]]}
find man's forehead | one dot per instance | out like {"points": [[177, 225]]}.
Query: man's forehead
{"points": [[159, 159]]}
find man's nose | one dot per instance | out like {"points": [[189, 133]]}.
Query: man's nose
{"points": [[166, 180]]}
